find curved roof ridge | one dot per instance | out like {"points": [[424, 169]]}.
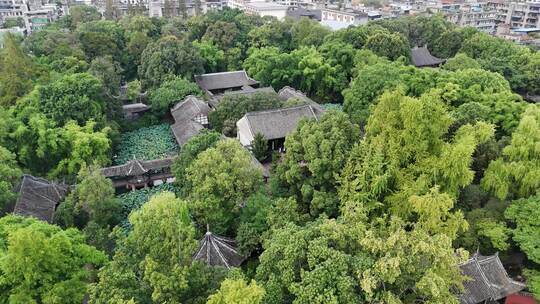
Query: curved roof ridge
{"points": [[278, 110]]}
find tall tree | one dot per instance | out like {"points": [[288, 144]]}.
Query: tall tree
{"points": [[515, 173], [223, 34], [9, 176], [260, 147], [101, 38], [222, 177], [82, 13], [41, 263], [73, 97], [170, 92], [316, 152], [152, 262], [389, 45], [182, 9], [108, 72], [237, 292], [188, 154], [169, 56], [16, 71], [82, 146], [406, 152], [524, 214]]}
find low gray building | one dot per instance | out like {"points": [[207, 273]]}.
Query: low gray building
{"points": [[274, 124], [190, 116], [219, 83], [38, 198]]}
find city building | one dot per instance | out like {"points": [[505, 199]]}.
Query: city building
{"points": [[11, 9], [345, 17], [266, 9], [477, 15], [517, 14], [297, 13]]}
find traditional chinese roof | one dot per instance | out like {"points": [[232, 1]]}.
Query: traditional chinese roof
{"points": [[277, 123], [185, 130], [487, 280], [136, 167], [218, 251], [38, 198], [135, 107], [189, 115], [188, 108], [245, 91], [287, 93], [224, 80], [421, 57]]}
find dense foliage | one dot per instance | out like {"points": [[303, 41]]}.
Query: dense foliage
{"points": [[146, 144], [42, 263], [375, 201]]}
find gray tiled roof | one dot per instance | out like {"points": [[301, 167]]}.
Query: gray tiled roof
{"points": [[188, 108], [487, 280], [287, 93], [224, 80], [421, 57], [136, 167], [184, 130], [246, 90], [38, 198], [184, 114], [278, 123], [218, 251]]}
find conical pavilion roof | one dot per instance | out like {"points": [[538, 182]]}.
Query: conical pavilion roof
{"points": [[218, 251]]}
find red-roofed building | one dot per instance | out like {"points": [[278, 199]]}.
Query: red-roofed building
{"points": [[520, 299]]}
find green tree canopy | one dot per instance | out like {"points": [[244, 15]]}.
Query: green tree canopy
{"points": [[231, 108], [152, 262], [316, 152], [169, 56], [108, 72], [223, 34], [82, 13], [406, 151], [16, 71], [188, 154], [524, 213], [9, 176], [41, 263], [237, 292], [389, 45], [461, 62], [170, 92], [222, 178], [73, 97], [515, 174], [101, 38]]}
